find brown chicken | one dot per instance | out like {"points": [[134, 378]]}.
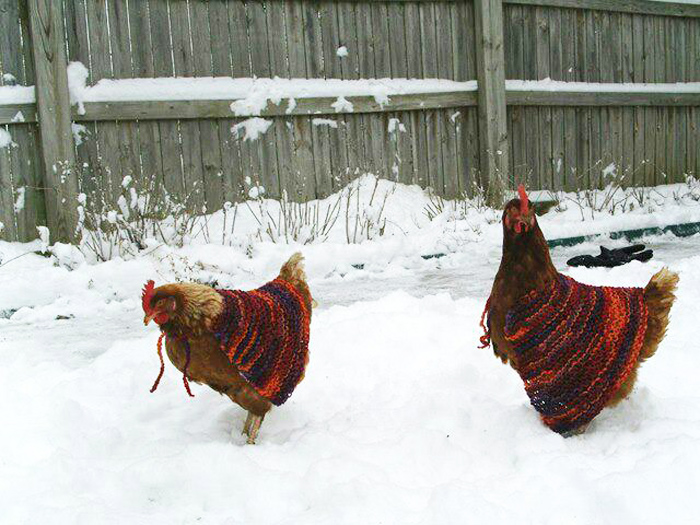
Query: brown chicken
{"points": [[250, 346], [576, 347]]}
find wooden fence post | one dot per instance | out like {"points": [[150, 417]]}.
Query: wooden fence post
{"points": [[493, 129], [54, 116]]}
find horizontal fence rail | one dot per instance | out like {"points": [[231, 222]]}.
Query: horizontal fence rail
{"points": [[220, 109], [628, 71]]}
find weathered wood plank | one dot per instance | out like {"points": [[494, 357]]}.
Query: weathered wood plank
{"points": [[352, 130], [162, 52], [429, 66], [377, 124], [618, 98], [22, 172], [240, 47], [632, 71], [337, 140], [448, 138], [221, 59], [299, 184], [140, 34], [493, 135], [347, 28], [143, 66], [184, 63], [279, 63], [26, 169], [414, 69], [558, 159], [108, 165], [607, 57], [330, 36], [649, 75], [127, 132], [8, 232], [303, 184], [461, 56], [660, 75], [315, 68], [515, 59], [276, 39], [53, 104], [649, 7], [163, 110], [209, 137], [544, 70]]}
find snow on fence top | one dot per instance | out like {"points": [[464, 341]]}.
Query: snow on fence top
{"points": [[593, 87], [252, 94], [11, 95]]}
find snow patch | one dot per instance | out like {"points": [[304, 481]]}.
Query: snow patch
{"points": [[251, 95], [252, 128], [394, 125], [342, 51], [44, 238], [10, 95], [77, 84], [610, 170], [325, 122], [5, 138], [19, 117], [256, 192], [19, 201], [548, 84], [80, 132], [342, 105]]}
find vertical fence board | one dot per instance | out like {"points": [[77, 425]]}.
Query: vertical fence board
{"points": [[429, 67], [53, 109], [414, 65], [20, 169], [120, 44], [8, 231]]}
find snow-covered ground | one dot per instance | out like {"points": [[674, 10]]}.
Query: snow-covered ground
{"points": [[401, 419]]}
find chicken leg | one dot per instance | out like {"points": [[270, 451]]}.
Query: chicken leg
{"points": [[252, 426]]}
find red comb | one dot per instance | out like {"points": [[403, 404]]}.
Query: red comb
{"points": [[146, 296], [523, 200]]}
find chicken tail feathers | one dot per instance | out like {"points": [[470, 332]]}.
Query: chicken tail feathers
{"points": [[293, 269], [293, 272], [659, 297]]}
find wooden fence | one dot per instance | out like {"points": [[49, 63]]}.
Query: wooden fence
{"points": [[558, 140]]}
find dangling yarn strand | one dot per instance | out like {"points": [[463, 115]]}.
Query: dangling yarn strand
{"points": [[486, 338], [162, 363], [187, 364]]}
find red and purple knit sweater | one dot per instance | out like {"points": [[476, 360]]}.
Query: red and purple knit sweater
{"points": [[576, 345], [265, 333]]}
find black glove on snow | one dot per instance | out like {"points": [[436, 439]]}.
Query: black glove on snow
{"points": [[612, 258]]}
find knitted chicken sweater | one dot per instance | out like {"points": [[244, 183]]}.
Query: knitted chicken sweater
{"points": [[575, 346], [265, 333]]}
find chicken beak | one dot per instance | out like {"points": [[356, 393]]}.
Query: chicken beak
{"points": [[148, 318]]}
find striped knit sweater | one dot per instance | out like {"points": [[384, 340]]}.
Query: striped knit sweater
{"points": [[576, 345], [265, 333]]}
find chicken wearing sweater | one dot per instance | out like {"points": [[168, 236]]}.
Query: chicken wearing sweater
{"points": [[250, 346], [576, 347]]}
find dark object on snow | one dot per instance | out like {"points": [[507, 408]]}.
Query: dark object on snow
{"points": [[612, 258]]}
